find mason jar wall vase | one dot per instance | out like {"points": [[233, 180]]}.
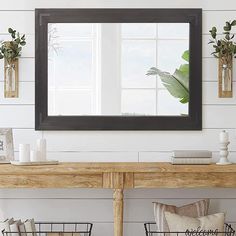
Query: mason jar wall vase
{"points": [[225, 77], [11, 81]]}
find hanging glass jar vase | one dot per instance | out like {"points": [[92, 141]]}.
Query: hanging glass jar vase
{"points": [[225, 76], [11, 88]]}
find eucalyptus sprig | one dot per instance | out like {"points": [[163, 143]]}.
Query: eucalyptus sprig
{"points": [[224, 47], [11, 50]]}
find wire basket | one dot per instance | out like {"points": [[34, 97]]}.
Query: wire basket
{"points": [[151, 230], [56, 229]]}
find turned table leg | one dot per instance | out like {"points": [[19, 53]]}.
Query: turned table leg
{"points": [[118, 212]]}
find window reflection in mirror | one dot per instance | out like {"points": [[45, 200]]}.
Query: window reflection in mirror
{"points": [[101, 69]]}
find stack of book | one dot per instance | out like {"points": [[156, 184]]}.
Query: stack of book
{"points": [[12, 227], [191, 157]]}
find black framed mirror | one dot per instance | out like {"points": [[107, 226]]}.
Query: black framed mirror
{"points": [[118, 69]]}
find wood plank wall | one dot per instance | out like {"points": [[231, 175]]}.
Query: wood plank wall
{"points": [[96, 205]]}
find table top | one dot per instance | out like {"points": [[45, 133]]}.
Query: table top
{"points": [[118, 167], [121, 175]]}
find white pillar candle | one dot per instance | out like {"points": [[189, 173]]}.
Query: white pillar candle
{"points": [[24, 152], [41, 148], [34, 156], [224, 136]]}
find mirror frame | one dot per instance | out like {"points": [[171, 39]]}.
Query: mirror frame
{"points": [[44, 122]]}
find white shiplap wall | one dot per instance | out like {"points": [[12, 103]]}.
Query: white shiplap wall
{"points": [[96, 205]]}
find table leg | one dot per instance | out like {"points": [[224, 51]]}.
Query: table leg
{"points": [[118, 212]]}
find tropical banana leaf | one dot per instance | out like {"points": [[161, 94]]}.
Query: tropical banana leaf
{"points": [[182, 77], [185, 55], [176, 84], [184, 69]]}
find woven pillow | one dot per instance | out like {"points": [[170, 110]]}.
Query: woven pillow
{"points": [[196, 209], [206, 225]]}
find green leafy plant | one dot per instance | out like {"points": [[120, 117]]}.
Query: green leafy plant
{"points": [[11, 50], [224, 47], [178, 83]]}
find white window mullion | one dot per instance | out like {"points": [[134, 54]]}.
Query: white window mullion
{"points": [[110, 68]]}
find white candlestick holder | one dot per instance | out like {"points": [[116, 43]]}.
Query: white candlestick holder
{"points": [[224, 154], [41, 148]]}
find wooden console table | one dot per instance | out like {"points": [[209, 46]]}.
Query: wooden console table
{"points": [[117, 176]]}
